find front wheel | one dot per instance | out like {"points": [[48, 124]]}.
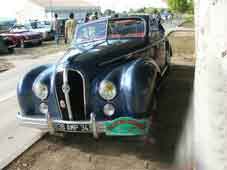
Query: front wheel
{"points": [[40, 42], [10, 50]]}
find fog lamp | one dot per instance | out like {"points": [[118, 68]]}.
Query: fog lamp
{"points": [[109, 110], [43, 107]]}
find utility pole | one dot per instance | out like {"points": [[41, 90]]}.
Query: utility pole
{"points": [[210, 99]]}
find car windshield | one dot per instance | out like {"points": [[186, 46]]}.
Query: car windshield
{"points": [[5, 26], [126, 28], [38, 25], [117, 29], [91, 32], [19, 28]]}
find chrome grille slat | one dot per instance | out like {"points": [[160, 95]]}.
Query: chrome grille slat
{"points": [[66, 90]]}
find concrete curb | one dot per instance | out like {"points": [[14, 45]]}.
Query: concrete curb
{"points": [[7, 160]]}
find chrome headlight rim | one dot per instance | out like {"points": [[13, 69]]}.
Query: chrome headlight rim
{"points": [[103, 94], [40, 90]]}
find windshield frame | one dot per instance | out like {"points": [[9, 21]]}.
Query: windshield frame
{"points": [[106, 38]]}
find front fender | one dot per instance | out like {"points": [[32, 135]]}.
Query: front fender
{"points": [[137, 86], [135, 83], [26, 98]]}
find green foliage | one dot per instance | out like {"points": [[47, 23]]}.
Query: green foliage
{"points": [[109, 12], [148, 10], [181, 6]]}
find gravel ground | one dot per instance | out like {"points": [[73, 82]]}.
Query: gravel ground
{"points": [[82, 152], [4, 65]]}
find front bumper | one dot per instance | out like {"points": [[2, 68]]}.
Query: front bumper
{"points": [[12, 46], [122, 126], [32, 41]]}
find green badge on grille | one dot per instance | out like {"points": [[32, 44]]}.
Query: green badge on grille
{"points": [[126, 126]]}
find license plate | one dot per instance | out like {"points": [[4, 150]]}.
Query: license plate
{"points": [[73, 127]]}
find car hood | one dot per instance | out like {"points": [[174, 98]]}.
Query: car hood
{"points": [[101, 54]]}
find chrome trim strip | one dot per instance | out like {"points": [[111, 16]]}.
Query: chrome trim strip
{"points": [[66, 92], [164, 71], [40, 123], [55, 91], [33, 40]]}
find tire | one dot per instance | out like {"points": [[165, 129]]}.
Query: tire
{"points": [[10, 50], [40, 42]]}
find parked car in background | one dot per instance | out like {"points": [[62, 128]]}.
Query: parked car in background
{"points": [[7, 44], [6, 24], [43, 27], [23, 36], [105, 83]]}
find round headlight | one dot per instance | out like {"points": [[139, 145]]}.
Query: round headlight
{"points": [[109, 110], [107, 90], [40, 90]]}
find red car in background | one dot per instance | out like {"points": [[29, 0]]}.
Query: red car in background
{"points": [[7, 44], [23, 36]]}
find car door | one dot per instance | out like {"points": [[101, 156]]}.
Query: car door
{"points": [[157, 43], [160, 54]]}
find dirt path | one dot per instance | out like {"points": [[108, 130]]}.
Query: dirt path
{"points": [[4, 65]]}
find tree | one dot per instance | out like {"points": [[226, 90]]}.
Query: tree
{"points": [[149, 10], [179, 5], [141, 10], [109, 12]]}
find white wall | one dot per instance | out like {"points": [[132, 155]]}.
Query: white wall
{"points": [[31, 11], [211, 85]]}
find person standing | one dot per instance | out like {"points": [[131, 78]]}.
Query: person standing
{"points": [[87, 18], [94, 16], [56, 27], [70, 27]]}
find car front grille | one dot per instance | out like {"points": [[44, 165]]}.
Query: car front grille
{"points": [[75, 97]]}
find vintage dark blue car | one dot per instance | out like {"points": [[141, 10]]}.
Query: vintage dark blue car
{"points": [[105, 83]]}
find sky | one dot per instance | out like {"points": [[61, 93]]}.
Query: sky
{"points": [[9, 8]]}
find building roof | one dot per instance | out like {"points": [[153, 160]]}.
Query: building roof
{"points": [[47, 4]]}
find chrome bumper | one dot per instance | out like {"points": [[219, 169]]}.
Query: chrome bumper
{"points": [[33, 40], [47, 124]]}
